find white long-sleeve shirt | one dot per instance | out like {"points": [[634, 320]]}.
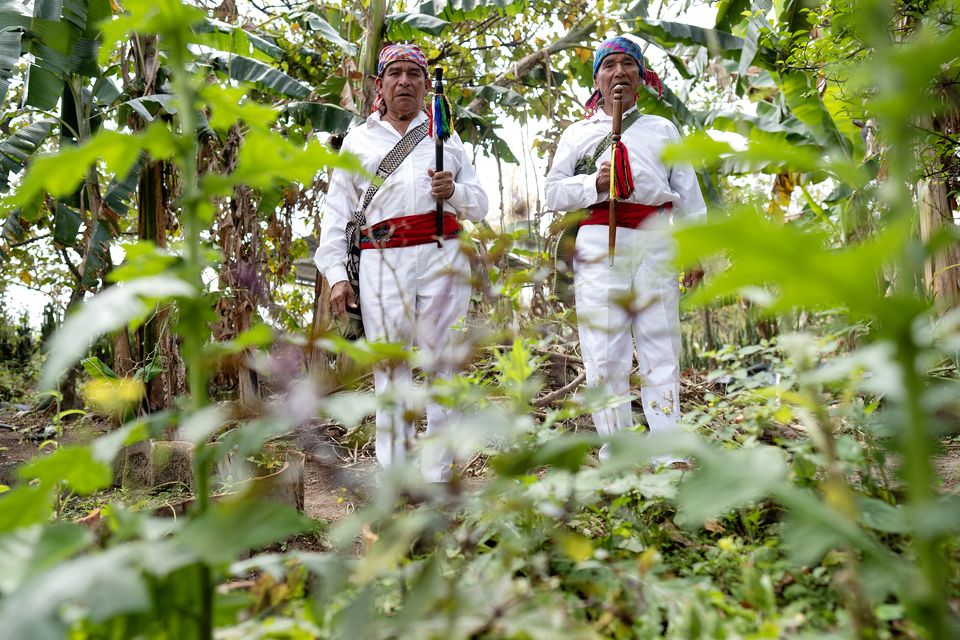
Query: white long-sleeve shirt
{"points": [[406, 192], [655, 182]]}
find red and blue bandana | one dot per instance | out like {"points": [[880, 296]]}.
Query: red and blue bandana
{"points": [[401, 53], [619, 44], [398, 53]]}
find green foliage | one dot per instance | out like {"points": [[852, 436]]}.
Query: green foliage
{"points": [[793, 523]]}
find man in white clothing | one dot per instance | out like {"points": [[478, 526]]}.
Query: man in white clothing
{"points": [[411, 290], [632, 306]]}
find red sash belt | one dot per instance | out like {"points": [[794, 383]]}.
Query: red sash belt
{"points": [[408, 231], [629, 215]]}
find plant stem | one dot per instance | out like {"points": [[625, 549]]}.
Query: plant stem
{"points": [[190, 198], [918, 474]]}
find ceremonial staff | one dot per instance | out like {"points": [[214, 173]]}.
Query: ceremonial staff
{"points": [[441, 124], [616, 149]]}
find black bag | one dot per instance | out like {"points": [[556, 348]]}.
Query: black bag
{"points": [[388, 165]]}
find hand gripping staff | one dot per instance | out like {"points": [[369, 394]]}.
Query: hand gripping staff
{"points": [[621, 176], [441, 126]]}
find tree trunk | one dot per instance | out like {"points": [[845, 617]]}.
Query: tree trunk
{"points": [[157, 344], [942, 270], [370, 52]]}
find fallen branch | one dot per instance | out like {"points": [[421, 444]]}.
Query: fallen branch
{"points": [[559, 393]]}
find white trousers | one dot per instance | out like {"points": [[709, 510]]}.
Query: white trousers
{"points": [[414, 295], [632, 307]]}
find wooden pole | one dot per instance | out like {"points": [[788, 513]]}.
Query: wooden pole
{"points": [[617, 127], [438, 91]]}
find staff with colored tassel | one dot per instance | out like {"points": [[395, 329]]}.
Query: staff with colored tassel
{"points": [[442, 125], [616, 150]]}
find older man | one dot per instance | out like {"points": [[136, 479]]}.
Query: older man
{"points": [[631, 306], [411, 290]]}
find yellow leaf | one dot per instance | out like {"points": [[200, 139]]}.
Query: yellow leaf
{"points": [[113, 396], [25, 277], [648, 559], [574, 546]]}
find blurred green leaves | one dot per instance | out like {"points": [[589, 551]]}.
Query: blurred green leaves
{"points": [[783, 267]]}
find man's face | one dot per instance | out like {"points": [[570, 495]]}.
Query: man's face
{"points": [[403, 86], [622, 69]]}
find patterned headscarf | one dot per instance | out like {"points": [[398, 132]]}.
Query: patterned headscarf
{"points": [[398, 53], [619, 44]]}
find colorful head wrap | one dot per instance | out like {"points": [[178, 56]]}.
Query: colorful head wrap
{"points": [[401, 52], [620, 44], [398, 53]]}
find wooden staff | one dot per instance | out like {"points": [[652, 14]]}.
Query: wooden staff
{"points": [[438, 137], [616, 131]]}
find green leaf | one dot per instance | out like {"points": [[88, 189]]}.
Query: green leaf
{"points": [[230, 105], [165, 17], [407, 26], [667, 34], [165, 102], [107, 311], [259, 335], [266, 160], [364, 353], [17, 149], [28, 551], [322, 117], [9, 57], [66, 224], [244, 69], [636, 9], [120, 192], [803, 98], [60, 174], [98, 257], [481, 131], [73, 465], [235, 39], [327, 32], [731, 478], [879, 515], [95, 587], [97, 368], [799, 264], [812, 528], [14, 14], [749, 50], [226, 530], [44, 88], [24, 506], [500, 95], [729, 13], [567, 453]]}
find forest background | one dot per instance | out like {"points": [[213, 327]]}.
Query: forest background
{"points": [[163, 168]]}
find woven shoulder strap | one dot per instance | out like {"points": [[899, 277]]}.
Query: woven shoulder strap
{"points": [[388, 165], [586, 164]]}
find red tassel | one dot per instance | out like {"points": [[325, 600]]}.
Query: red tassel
{"points": [[623, 175], [592, 104], [652, 79]]}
